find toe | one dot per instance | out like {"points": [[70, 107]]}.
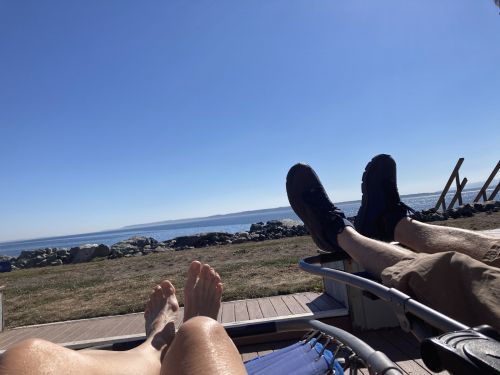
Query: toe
{"points": [[213, 277], [205, 272], [167, 287], [205, 275], [193, 273]]}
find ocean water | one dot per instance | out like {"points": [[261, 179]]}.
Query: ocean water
{"points": [[231, 224]]}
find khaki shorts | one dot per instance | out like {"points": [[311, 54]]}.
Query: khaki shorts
{"points": [[452, 283]]}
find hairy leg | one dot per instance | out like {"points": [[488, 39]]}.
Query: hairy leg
{"points": [[372, 255], [36, 356], [428, 238], [202, 346]]}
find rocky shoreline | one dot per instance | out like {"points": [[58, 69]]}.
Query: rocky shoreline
{"points": [[140, 246], [467, 210]]}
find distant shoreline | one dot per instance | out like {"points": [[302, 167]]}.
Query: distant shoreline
{"points": [[232, 222]]}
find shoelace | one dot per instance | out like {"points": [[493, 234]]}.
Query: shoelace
{"points": [[406, 208]]}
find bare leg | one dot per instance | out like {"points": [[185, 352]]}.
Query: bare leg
{"points": [[37, 356], [427, 238], [201, 342], [202, 346], [372, 255]]}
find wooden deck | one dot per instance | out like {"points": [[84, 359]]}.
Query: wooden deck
{"points": [[100, 331], [399, 346]]}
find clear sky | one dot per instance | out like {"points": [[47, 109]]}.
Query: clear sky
{"points": [[124, 112]]}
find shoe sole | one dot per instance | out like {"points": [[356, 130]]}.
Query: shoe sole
{"points": [[297, 206], [381, 162]]}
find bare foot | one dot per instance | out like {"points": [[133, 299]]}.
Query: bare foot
{"points": [[160, 315], [202, 292]]}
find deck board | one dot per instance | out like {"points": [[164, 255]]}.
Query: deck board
{"points": [[254, 311], [85, 332], [280, 306], [241, 311], [306, 301], [228, 313], [293, 305], [267, 308]]}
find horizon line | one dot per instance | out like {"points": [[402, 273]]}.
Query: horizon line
{"points": [[172, 221]]}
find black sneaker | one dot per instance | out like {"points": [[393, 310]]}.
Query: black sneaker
{"points": [[381, 208], [310, 202]]}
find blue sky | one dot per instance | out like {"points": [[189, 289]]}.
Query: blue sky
{"points": [[123, 112]]}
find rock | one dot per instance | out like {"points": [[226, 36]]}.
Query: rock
{"points": [[132, 245], [5, 265], [85, 253], [56, 262], [241, 237], [478, 206], [466, 210], [101, 251], [256, 227], [39, 251], [202, 240], [62, 252], [275, 229], [138, 241], [489, 205], [168, 243], [115, 254], [123, 249], [25, 254]]}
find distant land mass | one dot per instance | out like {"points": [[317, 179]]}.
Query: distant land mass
{"points": [[470, 186], [212, 217]]}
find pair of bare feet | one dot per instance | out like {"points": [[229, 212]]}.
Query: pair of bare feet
{"points": [[202, 297]]}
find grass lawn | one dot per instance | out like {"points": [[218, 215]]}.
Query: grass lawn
{"points": [[120, 286]]}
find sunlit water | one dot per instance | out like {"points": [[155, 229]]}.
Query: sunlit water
{"points": [[232, 224]]}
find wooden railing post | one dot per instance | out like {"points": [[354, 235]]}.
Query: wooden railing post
{"points": [[454, 175], [494, 193], [482, 192], [458, 194]]}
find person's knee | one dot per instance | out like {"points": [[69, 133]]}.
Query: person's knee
{"points": [[200, 325], [26, 347], [13, 361]]}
